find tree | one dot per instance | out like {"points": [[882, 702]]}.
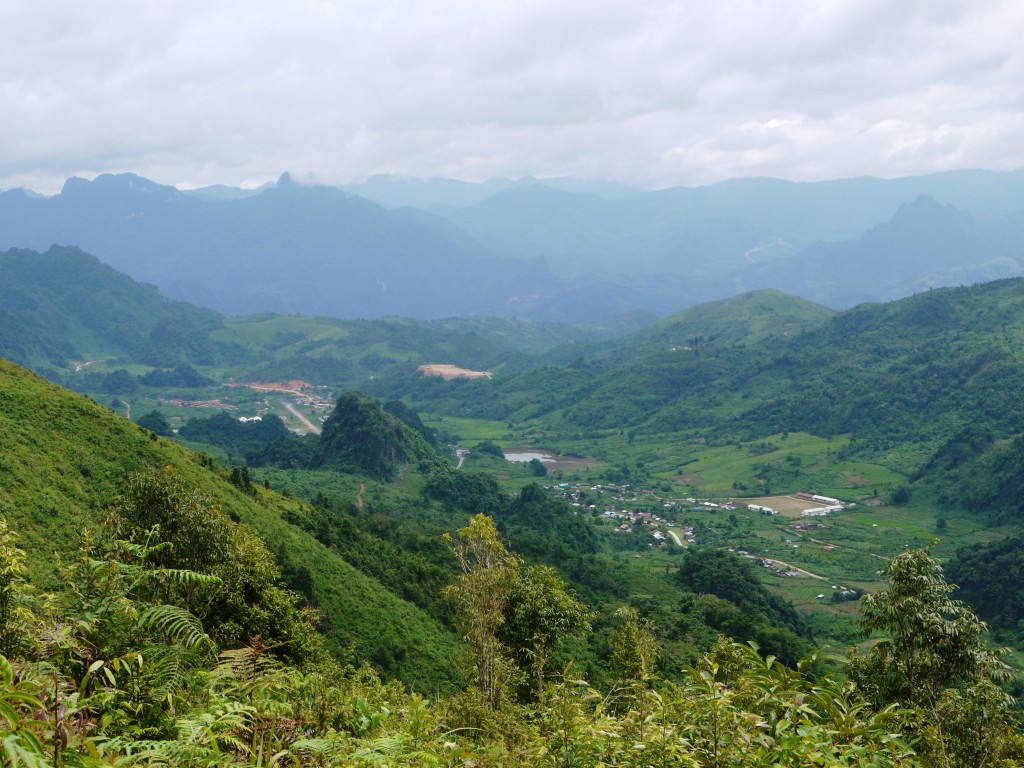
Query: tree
{"points": [[17, 618], [934, 654], [481, 594], [155, 422], [634, 648], [540, 611]]}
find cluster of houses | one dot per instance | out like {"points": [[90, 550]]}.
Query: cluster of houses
{"points": [[580, 496], [586, 496], [655, 522]]}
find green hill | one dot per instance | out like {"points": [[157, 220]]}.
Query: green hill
{"points": [[907, 380], [64, 305], [64, 460]]}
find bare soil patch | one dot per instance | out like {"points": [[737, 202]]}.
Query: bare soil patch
{"points": [[446, 372], [790, 506], [293, 386]]}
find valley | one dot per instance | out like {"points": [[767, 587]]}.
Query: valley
{"points": [[520, 385], [744, 468]]}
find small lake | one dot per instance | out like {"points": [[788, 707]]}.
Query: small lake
{"points": [[524, 457]]}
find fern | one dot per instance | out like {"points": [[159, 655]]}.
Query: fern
{"points": [[178, 625]]}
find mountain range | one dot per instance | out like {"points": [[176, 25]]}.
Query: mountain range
{"points": [[555, 251]]}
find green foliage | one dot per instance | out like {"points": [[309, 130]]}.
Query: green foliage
{"points": [[540, 612], [753, 613], [155, 422], [360, 435], [935, 662], [991, 580], [634, 648], [182, 375], [411, 419], [481, 594], [17, 609], [490, 448], [236, 437]]}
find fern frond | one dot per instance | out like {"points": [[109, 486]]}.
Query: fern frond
{"points": [[178, 625]]}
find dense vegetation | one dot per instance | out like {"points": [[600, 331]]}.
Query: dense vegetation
{"points": [[136, 678], [329, 548]]}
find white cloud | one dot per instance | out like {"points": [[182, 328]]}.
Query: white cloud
{"points": [[654, 92]]}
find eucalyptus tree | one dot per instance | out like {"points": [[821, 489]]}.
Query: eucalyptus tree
{"points": [[481, 594]]}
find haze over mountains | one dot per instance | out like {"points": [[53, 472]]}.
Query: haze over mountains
{"points": [[539, 251]]}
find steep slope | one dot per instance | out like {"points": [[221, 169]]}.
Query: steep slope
{"points": [[64, 459]]}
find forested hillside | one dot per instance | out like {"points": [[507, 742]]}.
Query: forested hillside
{"points": [[925, 384], [66, 461]]}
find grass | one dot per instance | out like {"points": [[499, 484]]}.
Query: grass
{"points": [[66, 459]]}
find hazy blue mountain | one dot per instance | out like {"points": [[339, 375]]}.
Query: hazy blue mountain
{"points": [[837, 242], [541, 251], [222, 192], [925, 245], [439, 195], [293, 248]]}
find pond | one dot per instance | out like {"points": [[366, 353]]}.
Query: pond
{"points": [[524, 457]]}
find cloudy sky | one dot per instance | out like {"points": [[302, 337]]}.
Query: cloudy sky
{"points": [[648, 92]]}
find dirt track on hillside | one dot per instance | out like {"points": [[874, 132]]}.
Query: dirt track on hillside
{"points": [[295, 412]]}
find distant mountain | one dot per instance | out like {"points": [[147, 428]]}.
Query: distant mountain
{"points": [[221, 192], [555, 250], [292, 248], [437, 194], [705, 243], [925, 245]]}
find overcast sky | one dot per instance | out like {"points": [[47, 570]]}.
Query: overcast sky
{"points": [[652, 93]]}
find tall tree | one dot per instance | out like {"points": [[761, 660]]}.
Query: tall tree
{"points": [[934, 661], [481, 594]]}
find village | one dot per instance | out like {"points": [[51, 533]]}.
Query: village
{"points": [[647, 513]]}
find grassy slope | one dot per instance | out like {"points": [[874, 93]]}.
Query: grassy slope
{"points": [[63, 458]]}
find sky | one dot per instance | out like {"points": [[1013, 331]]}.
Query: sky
{"points": [[650, 93]]}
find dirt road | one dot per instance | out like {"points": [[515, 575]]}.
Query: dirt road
{"points": [[789, 566], [675, 538], [306, 422]]}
